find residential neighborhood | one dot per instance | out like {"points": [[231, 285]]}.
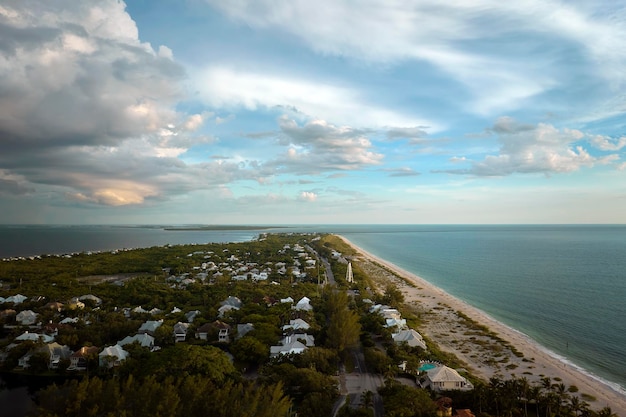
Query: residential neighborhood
{"points": [[273, 311]]}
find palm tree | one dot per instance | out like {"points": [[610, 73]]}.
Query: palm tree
{"points": [[561, 392], [535, 395], [606, 412], [578, 406], [522, 387]]}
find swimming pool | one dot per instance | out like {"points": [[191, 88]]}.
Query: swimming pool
{"points": [[426, 367]]}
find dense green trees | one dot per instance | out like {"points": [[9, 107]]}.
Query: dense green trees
{"points": [[343, 323], [169, 397]]}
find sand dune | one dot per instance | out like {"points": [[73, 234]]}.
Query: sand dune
{"points": [[486, 356]]}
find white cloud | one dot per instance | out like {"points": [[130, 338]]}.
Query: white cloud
{"points": [[78, 73], [319, 146], [502, 52], [224, 87], [533, 149], [606, 143], [308, 196]]}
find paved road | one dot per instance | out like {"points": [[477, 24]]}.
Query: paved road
{"points": [[355, 384], [328, 272]]}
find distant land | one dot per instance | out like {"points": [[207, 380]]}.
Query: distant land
{"points": [[221, 227]]}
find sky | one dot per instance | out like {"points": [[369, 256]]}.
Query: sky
{"points": [[302, 112]]}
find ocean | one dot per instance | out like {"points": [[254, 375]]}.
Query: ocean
{"points": [[563, 286]]}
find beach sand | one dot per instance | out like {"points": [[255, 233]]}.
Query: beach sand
{"points": [[483, 354]]}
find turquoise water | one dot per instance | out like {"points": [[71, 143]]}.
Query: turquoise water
{"points": [[563, 286], [426, 367]]}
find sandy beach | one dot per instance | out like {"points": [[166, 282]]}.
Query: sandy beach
{"points": [[510, 353]]}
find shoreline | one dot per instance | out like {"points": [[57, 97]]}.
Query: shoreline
{"points": [[442, 327]]}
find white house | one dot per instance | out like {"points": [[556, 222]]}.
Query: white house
{"points": [[289, 345], [26, 317], [150, 326], [144, 339], [410, 337], [56, 352], [304, 305], [297, 324], [443, 378], [112, 356], [34, 337], [180, 331]]}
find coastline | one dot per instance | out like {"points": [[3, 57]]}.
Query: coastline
{"points": [[443, 327]]}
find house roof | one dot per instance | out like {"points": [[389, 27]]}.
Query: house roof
{"points": [[411, 337], [181, 327], [84, 351], [143, 339], [444, 374], [293, 346], [115, 350], [304, 304], [297, 324], [150, 326], [35, 337], [54, 348], [233, 301]]}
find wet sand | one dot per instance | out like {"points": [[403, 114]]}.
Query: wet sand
{"points": [[508, 354]]}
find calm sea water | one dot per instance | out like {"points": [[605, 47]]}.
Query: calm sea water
{"points": [[564, 286]]}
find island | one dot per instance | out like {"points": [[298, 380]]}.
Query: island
{"points": [[288, 324]]}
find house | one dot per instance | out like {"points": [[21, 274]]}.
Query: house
{"points": [[16, 299], [443, 378], [144, 340], [400, 324], [150, 326], [56, 353], [34, 337], [112, 356], [232, 301], [26, 317], [139, 310], [244, 329], [79, 359], [297, 324], [192, 315], [24, 361], [180, 331], [225, 309], [91, 298], [211, 331], [303, 305], [289, 345], [286, 300], [410, 337]]}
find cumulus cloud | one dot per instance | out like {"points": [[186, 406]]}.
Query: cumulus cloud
{"points": [[88, 110], [319, 146], [308, 196], [606, 143], [76, 73], [533, 149]]}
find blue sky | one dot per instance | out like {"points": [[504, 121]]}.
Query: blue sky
{"points": [[343, 111]]}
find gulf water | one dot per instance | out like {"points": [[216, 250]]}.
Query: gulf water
{"points": [[563, 286]]}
